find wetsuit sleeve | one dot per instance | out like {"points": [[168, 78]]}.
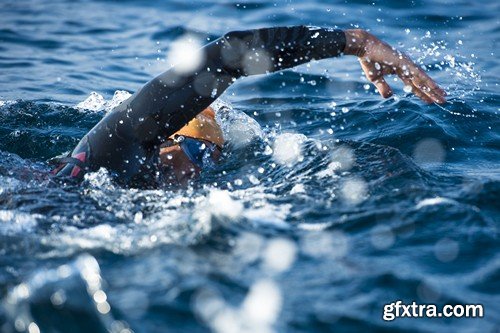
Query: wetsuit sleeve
{"points": [[127, 139]]}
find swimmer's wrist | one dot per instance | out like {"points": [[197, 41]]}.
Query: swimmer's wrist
{"points": [[356, 41]]}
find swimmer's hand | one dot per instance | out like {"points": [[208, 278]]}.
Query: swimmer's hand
{"points": [[379, 59]]}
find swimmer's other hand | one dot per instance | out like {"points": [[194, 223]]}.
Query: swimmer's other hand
{"points": [[378, 59]]}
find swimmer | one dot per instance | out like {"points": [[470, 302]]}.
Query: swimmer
{"points": [[166, 132]]}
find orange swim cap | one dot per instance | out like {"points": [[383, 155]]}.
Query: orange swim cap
{"points": [[204, 127]]}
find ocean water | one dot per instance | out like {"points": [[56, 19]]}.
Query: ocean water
{"points": [[329, 202]]}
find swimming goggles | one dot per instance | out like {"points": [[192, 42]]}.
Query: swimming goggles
{"points": [[200, 152]]}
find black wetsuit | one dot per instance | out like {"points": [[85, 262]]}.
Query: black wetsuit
{"points": [[126, 141]]}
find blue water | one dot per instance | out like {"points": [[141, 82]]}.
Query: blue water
{"points": [[377, 201]]}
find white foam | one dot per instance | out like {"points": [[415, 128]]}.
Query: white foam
{"points": [[238, 129], [269, 214], [96, 102], [434, 201], [118, 97], [12, 222], [4, 103], [9, 184], [222, 204]]}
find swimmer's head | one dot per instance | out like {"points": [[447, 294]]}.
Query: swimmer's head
{"points": [[192, 148]]}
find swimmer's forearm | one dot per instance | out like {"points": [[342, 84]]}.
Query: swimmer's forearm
{"points": [[271, 49]]}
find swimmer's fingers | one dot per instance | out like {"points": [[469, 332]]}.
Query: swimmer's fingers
{"points": [[423, 84], [416, 91], [376, 77]]}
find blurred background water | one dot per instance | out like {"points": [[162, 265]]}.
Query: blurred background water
{"points": [[332, 203]]}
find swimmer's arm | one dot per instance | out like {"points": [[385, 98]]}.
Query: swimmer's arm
{"points": [[133, 131], [173, 99], [378, 59]]}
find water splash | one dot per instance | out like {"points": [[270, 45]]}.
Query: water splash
{"points": [[96, 102]]}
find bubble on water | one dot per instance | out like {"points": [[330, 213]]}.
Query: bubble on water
{"points": [[354, 190], [208, 305], [451, 60], [20, 292], [185, 55], [429, 151], [343, 157], [248, 247], [446, 250], [58, 298], [325, 244], [257, 313], [103, 307], [138, 217], [287, 148], [33, 328], [279, 255], [254, 180], [263, 303], [268, 150], [382, 237]]}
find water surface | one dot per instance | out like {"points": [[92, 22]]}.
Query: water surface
{"points": [[341, 203]]}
